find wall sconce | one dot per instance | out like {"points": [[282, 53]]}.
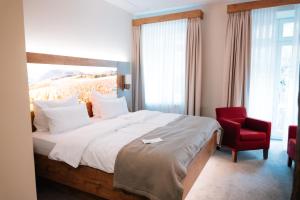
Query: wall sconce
{"points": [[124, 81], [127, 81]]}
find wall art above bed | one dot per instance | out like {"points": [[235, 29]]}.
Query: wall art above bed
{"points": [[53, 77], [49, 82]]}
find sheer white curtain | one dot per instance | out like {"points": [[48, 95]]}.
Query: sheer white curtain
{"points": [[163, 50], [275, 67], [295, 72], [262, 71]]}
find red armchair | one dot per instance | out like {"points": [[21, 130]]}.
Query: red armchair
{"points": [[243, 133], [291, 148]]}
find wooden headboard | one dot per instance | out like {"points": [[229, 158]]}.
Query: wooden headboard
{"points": [[89, 107]]}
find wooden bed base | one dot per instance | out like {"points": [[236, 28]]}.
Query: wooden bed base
{"points": [[100, 183]]}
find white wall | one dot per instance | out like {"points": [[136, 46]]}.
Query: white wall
{"points": [[17, 179], [84, 28], [214, 73], [94, 28]]}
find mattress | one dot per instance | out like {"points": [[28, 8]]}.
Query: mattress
{"points": [[41, 144]]}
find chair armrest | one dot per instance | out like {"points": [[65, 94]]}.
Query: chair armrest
{"points": [[292, 132], [259, 125], [231, 130]]}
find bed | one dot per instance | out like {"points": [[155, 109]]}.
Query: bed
{"points": [[89, 178], [99, 179]]}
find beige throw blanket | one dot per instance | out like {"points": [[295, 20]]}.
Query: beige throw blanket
{"points": [[156, 170]]}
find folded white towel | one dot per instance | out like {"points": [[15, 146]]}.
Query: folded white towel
{"points": [[151, 141]]}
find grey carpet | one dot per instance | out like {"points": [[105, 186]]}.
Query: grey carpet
{"points": [[251, 178]]}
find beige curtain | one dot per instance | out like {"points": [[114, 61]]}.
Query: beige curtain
{"points": [[193, 67], [237, 57], [137, 90]]}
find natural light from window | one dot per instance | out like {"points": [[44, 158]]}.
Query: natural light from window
{"points": [[275, 69]]}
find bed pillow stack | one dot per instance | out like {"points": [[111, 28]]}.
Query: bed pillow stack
{"points": [[108, 107], [59, 115], [63, 119]]}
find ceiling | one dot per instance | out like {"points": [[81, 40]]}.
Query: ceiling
{"points": [[140, 7]]}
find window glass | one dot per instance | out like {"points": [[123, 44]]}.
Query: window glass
{"points": [[288, 29], [281, 14], [286, 55], [274, 68], [163, 65]]}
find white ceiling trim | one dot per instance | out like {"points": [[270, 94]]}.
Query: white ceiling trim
{"points": [[166, 11], [144, 8]]}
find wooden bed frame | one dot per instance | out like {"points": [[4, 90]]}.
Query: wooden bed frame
{"points": [[92, 180], [100, 183]]}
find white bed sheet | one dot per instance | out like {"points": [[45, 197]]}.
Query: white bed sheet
{"points": [[107, 138], [44, 142]]}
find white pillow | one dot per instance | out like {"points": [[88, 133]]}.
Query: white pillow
{"points": [[95, 97], [40, 120], [108, 108], [63, 119]]}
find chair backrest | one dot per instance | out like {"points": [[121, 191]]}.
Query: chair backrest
{"points": [[292, 132], [237, 114]]}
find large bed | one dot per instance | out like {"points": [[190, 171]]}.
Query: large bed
{"points": [[101, 157], [95, 173]]}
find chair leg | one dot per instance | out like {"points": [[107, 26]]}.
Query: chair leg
{"points": [[266, 153], [290, 161], [234, 156]]}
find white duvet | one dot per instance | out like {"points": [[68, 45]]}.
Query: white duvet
{"points": [[97, 145]]}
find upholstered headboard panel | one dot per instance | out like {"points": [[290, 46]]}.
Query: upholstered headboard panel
{"points": [[89, 107]]}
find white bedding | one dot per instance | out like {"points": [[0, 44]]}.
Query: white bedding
{"points": [[97, 145], [44, 141]]}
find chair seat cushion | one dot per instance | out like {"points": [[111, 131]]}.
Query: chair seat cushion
{"points": [[250, 135], [292, 148]]}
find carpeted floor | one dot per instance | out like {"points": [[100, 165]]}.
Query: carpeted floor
{"points": [[251, 178]]}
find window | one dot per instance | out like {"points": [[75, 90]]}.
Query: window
{"points": [[288, 29], [163, 65], [285, 76], [274, 72]]}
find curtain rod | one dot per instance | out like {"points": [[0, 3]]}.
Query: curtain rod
{"points": [[173, 16], [258, 4]]}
